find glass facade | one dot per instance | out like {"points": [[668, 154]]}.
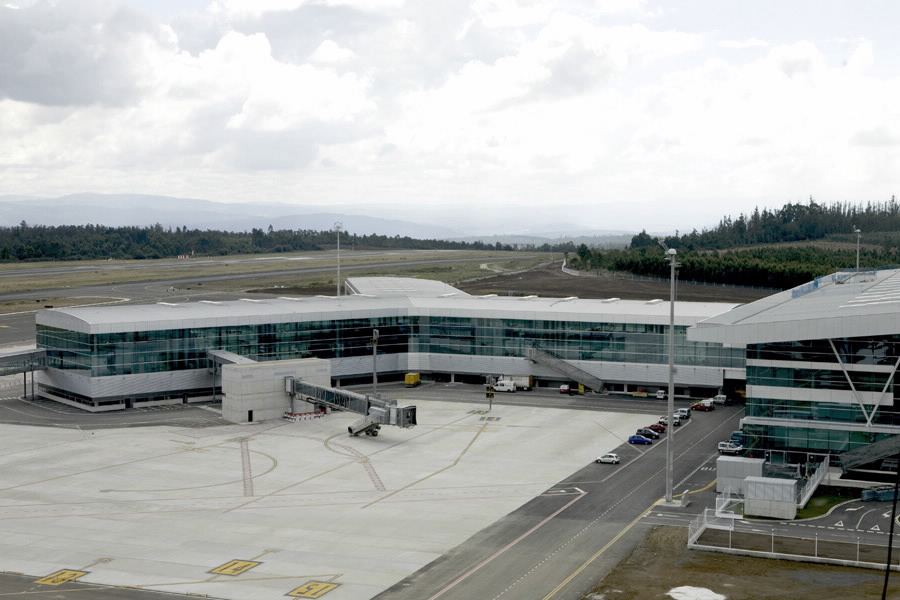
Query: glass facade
{"points": [[163, 350], [829, 375]]}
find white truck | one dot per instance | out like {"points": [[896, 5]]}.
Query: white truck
{"points": [[504, 385], [521, 382]]}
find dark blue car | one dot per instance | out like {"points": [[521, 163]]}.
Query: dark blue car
{"points": [[639, 439]]}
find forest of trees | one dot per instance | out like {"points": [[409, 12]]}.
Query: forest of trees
{"points": [[778, 249], [79, 242]]}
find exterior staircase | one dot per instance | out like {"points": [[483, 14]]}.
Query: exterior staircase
{"points": [[548, 359]]}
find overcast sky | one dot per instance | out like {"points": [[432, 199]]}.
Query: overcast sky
{"points": [[612, 114]]}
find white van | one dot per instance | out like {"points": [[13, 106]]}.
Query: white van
{"points": [[505, 385]]}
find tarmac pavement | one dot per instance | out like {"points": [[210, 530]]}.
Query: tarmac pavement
{"points": [[273, 509]]}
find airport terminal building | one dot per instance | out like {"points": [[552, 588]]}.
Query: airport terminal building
{"points": [[115, 357], [821, 364], [817, 363]]}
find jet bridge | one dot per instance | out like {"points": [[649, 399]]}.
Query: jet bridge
{"points": [[375, 411]]}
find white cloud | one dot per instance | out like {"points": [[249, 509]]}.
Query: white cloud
{"points": [[330, 52], [493, 101], [741, 44]]}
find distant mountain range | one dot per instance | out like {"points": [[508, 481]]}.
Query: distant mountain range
{"points": [[121, 210]]}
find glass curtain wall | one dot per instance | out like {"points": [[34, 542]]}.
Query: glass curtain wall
{"points": [[823, 372], [177, 349]]}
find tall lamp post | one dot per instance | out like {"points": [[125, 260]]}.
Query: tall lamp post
{"points": [[670, 448], [337, 228], [858, 235], [375, 362]]}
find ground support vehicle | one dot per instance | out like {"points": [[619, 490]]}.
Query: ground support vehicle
{"points": [[504, 386], [413, 379], [522, 382]]}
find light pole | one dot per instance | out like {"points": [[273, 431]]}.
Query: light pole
{"points": [[337, 228], [670, 444], [858, 235], [375, 363]]}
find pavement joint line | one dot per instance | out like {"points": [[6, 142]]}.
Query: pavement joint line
{"points": [[327, 471], [439, 471]]}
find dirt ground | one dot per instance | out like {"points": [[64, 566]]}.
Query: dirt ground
{"points": [[550, 281], [662, 567]]}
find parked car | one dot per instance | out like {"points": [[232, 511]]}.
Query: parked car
{"points": [[664, 420], [730, 448], [720, 399], [704, 405], [639, 439], [683, 413], [608, 458], [657, 427], [647, 433]]}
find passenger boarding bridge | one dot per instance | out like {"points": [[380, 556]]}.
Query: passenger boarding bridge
{"points": [[25, 361], [376, 411]]}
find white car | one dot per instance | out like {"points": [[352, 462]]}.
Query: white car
{"points": [[608, 458], [730, 448]]}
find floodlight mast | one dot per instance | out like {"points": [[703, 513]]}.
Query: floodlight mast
{"points": [[670, 397], [337, 229]]}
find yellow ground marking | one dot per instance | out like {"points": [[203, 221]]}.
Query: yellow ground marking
{"points": [[216, 579], [61, 577], [703, 489], [312, 589], [236, 567], [598, 553], [97, 562]]}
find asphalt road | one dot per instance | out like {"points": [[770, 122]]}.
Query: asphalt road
{"points": [[562, 542]]}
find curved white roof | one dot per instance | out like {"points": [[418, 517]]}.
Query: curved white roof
{"points": [[840, 305], [418, 300]]}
